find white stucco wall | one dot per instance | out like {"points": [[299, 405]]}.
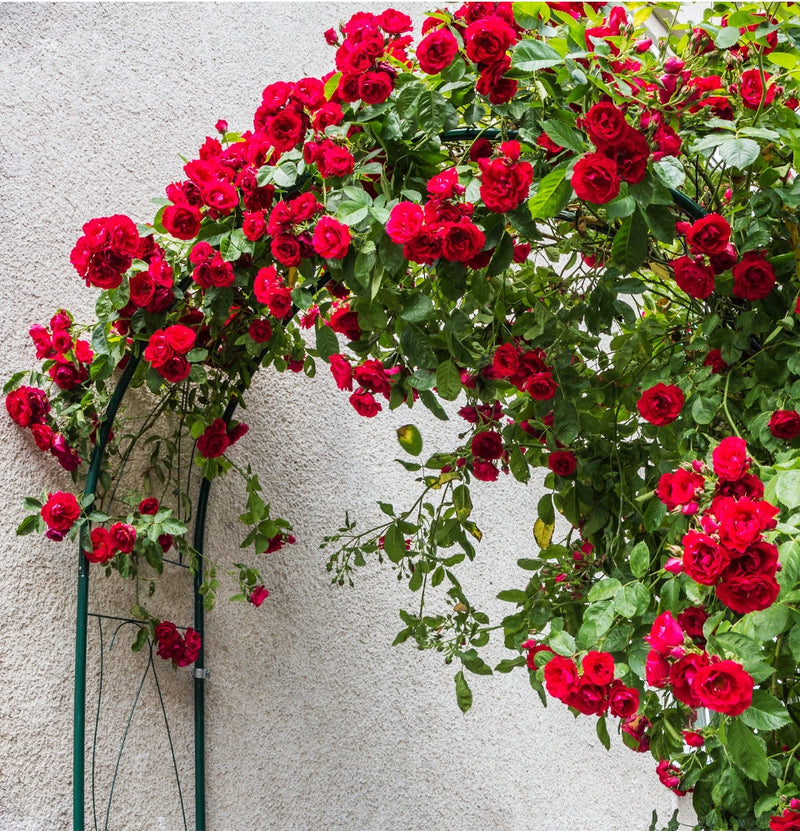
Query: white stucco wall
{"points": [[313, 719]]}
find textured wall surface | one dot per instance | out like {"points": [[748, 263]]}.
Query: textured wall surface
{"points": [[314, 720]]}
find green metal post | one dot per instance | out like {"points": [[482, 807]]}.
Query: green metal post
{"points": [[82, 616]]}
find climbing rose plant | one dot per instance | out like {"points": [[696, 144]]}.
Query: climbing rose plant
{"points": [[584, 238]]}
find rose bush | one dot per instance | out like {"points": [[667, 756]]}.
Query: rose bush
{"points": [[586, 238]]}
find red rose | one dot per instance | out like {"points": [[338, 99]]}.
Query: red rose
{"points": [[461, 241], [595, 179], [345, 323], [123, 536], [171, 646], [656, 669], [715, 361], [661, 404], [605, 123], [331, 239], [598, 667], [175, 370], [505, 362], [286, 129], [342, 372], [696, 279], [703, 559], [789, 820], [425, 248], [741, 521], [486, 40], [484, 471], [258, 595], [752, 89], [60, 511], [335, 161], [630, 155], [375, 87], [180, 338], [665, 634], [65, 374], [214, 441], [753, 277], [588, 698], [724, 687], [253, 225], [405, 221], [785, 424], [364, 403], [43, 436], [623, 701], [562, 462], [67, 456], [729, 458], [487, 445], [436, 51], [286, 250], [560, 676], [691, 620], [260, 330], [680, 489], [103, 548], [372, 375], [192, 644], [540, 385], [27, 406], [710, 234], [182, 221], [221, 196], [504, 184], [746, 593]]}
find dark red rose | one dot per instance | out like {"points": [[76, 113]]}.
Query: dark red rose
{"points": [[436, 51], [631, 155], [372, 375], [258, 595], [606, 125], [123, 536], [710, 234], [221, 196], [715, 361], [375, 87], [691, 620], [66, 375], [214, 441], [253, 225], [461, 241], [345, 323], [182, 221], [562, 462], [286, 129], [487, 445], [103, 548], [486, 40], [364, 403], [588, 698], [661, 404], [484, 471], [785, 424], [67, 456], [505, 362], [696, 279], [27, 406], [746, 593], [425, 248], [60, 511], [192, 643], [286, 250], [493, 83], [260, 330], [741, 521], [623, 701], [175, 370], [595, 179], [540, 385], [724, 687], [43, 436], [704, 560], [753, 277]]}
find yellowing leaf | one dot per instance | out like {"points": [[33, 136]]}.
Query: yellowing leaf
{"points": [[543, 533], [410, 439]]}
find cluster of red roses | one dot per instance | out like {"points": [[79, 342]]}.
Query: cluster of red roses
{"points": [[592, 690], [28, 407], [67, 358], [105, 251], [150, 289], [712, 253], [696, 679], [218, 437], [525, 369], [487, 30], [166, 351], [371, 376], [106, 542], [182, 650], [727, 549]]}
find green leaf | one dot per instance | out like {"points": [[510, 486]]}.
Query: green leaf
{"points": [[27, 526], [786, 60], [463, 692], [474, 663], [100, 341], [631, 600], [13, 381], [727, 37], [562, 643], [141, 639], [640, 559], [787, 488], [394, 544], [518, 465], [532, 55], [351, 213], [512, 596], [410, 439], [629, 249], [507, 664], [604, 589], [738, 152], [565, 420], [417, 307], [448, 380], [432, 110], [602, 733], [551, 196], [462, 502], [747, 750], [417, 348], [765, 713], [327, 342], [670, 172], [430, 401], [563, 135]]}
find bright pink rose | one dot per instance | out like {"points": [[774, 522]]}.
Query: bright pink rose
{"points": [[665, 634], [730, 459]]}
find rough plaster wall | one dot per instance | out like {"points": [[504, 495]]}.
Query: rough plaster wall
{"points": [[313, 720]]}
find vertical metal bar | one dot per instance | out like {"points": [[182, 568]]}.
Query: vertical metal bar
{"points": [[82, 614]]}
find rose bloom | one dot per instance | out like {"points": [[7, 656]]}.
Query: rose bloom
{"points": [[60, 511], [342, 372], [562, 462], [214, 441], [540, 385], [753, 277], [364, 403], [656, 670], [192, 644], [680, 489], [691, 620], [605, 123], [789, 820], [752, 89], [484, 471], [182, 221], [598, 667], [27, 406], [661, 404], [425, 248], [372, 375], [505, 361], [405, 221], [725, 687], [180, 338], [624, 701], [682, 675], [67, 456], [487, 445], [260, 330], [436, 51], [486, 40], [741, 521], [729, 458], [746, 593], [461, 241], [331, 239], [696, 279], [785, 424], [709, 235], [258, 595], [595, 179], [504, 185], [703, 559], [715, 361], [560, 676], [665, 634], [103, 548], [588, 698], [123, 536], [170, 644]]}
